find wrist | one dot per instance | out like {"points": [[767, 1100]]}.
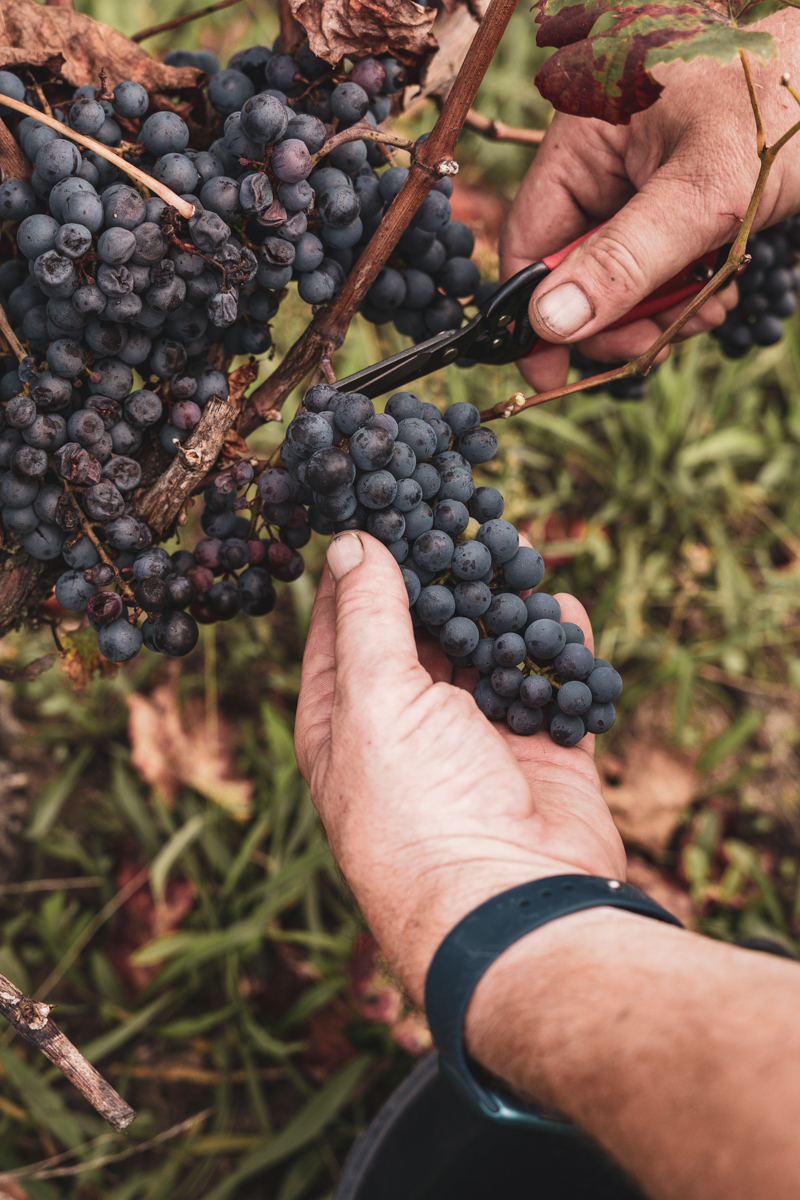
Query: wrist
{"points": [[413, 914]]}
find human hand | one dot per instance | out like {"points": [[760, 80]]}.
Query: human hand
{"points": [[430, 808], [672, 185]]}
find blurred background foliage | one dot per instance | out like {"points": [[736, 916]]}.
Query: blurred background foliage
{"points": [[163, 877]]}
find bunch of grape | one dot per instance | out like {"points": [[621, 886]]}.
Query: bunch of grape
{"points": [[768, 289], [121, 305], [405, 476], [230, 571], [431, 271]]}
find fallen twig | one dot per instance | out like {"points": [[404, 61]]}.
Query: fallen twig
{"points": [[42, 1171], [32, 1021]]}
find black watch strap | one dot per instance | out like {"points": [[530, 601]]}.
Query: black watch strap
{"points": [[473, 945]]}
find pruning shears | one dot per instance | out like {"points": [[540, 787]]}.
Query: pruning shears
{"points": [[502, 333]]}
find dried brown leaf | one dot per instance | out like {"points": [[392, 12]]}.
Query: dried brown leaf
{"points": [[13, 163], [77, 48], [83, 659], [173, 750], [647, 791], [354, 28]]}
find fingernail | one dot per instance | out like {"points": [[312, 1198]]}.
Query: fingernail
{"points": [[344, 553], [565, 309]]}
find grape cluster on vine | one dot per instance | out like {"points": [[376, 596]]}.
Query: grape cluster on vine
{"points": [[126, 312]]}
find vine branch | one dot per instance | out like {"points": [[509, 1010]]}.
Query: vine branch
{"points": [[433, 160], [167, 195], [152, 30], [498, 131]]}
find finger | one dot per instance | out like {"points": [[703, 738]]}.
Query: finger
{"points": [[315, 701], [577, 180], [572, 610], [547, 369], [647, 242], [376, 654]]}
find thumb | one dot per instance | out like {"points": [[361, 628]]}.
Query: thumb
{"points": [[375, 649], [665, 226]]}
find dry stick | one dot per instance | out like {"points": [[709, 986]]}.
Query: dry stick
{"points": [[32, 1020], [44, 1169], [152, 30], [167, 195], [736, 258], [10, 336], [497, 131], [433, 161], [361, 132], [50, 885]]}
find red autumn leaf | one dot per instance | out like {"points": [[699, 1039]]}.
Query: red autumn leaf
{"points": [[356, 28], [607, 74], [143, 918]]}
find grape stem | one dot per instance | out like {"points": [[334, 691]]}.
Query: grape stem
{"points": [[87, 528], [167, 195], [10, 336], [152, 30], [736, 259], [362, 132], [498, 131], [434, 159]]}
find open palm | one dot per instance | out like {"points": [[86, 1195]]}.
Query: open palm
{"points": [[429, 807]]}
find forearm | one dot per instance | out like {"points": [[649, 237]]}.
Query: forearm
{"points": [[680, 1055]]}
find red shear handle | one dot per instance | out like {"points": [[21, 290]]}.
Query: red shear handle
{"points": [[686, 283]]}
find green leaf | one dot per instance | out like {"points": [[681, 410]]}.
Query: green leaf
{"points": [[313, 999], [302, 1129], [52, 798], [729, 741], [45, 1105], [125, 796], [189, 1027], [167, 856], [606, 50], [100, 1047]]}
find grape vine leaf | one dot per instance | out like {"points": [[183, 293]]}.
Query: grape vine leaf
{"points": [[355, 28], [606, 49], [76, 48]]}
